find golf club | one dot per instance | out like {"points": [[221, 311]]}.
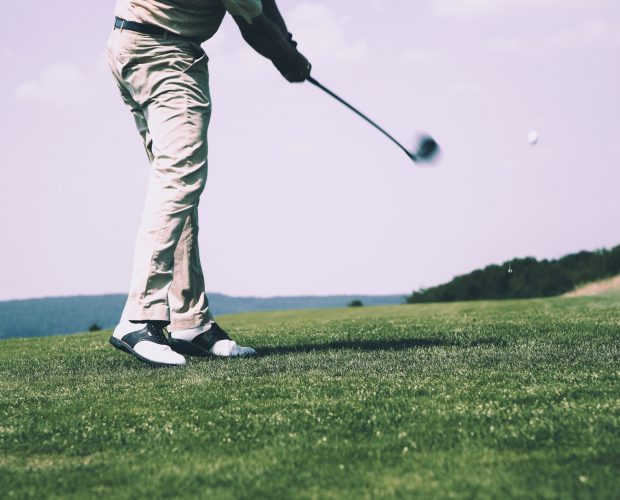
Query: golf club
{"points": [[426, 148]]}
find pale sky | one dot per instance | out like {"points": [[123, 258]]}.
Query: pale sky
{"points": [[304, 197]]}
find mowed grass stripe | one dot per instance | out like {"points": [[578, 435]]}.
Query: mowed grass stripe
{"points": [[486, 399]]}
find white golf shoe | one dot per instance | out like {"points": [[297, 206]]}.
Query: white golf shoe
{"points": [[147, 342]]}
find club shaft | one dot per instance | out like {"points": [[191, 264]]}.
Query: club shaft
{"points": [[358, 112]]}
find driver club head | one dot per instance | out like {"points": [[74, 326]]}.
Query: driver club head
{"points": [[426, 149]]}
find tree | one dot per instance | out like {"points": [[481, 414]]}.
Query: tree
{"points": [[529, 278]]}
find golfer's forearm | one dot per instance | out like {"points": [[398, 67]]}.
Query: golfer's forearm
{"points": [[266, 38]]}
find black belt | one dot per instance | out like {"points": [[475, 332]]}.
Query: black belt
{"points": [[147, 29]]}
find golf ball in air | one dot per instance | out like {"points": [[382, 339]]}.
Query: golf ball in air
{"points": [[532, 137]]}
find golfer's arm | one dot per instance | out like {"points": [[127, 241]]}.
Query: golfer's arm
{"points": [[271, 12], [268, 39]]}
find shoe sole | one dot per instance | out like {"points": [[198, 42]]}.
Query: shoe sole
{"points": [[123, 346]]}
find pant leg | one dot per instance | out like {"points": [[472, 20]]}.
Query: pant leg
{"points": [[189, 306], [134, 107], [168, 80]]}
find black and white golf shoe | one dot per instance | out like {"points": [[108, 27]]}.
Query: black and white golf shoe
{"points": [[208, 340], [147, 342]]}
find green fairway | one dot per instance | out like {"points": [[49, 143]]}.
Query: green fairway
{"points": [[479, 399]]}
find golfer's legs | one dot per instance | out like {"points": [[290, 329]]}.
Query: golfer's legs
{"points": [[169, 82], [138, 115], [177, 117], [187, 300], [189, 306]]}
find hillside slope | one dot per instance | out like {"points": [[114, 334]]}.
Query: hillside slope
{"points": [[526, 278], [610, 286]]}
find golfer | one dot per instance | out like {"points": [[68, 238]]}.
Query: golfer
{"points": [[161, 70]]}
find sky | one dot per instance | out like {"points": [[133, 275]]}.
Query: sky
{"points": [[303, 197]]}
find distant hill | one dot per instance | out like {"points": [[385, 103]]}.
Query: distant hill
{"points": [[55, 315], [609, 286], [526, 278]]}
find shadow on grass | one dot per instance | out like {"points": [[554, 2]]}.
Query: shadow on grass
{"points": [[380, 345], [356, 345], [353, 345]]}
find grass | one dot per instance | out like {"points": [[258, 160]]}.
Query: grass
{"points": [[481, 399]]}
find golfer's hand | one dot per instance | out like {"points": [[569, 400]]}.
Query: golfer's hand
{"points": [[296, 70]]}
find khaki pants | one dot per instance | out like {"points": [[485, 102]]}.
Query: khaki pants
{"points": [[165, 83]]}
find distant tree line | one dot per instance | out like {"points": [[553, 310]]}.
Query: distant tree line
{"points": [[525, 278], [60, 315]]}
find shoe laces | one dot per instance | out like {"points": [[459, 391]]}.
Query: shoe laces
{"points": [[158, 330]]}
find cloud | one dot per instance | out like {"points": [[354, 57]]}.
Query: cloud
{"points": [[418, 56], [593, 33], [502, 45], [60, 85], [486, 7], [590, 34], [460, 7], [322, 33], [462, 88]]}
